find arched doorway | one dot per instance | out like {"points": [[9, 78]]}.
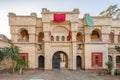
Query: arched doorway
{"points": [[78, 62], [59, 60], [109, 58], [41, 62]]}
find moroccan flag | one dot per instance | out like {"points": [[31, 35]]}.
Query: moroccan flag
{"points": [[59, 17], [69, 35]]}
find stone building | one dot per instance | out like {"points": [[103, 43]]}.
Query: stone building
{"points": [[63, 40], [4, 42]]}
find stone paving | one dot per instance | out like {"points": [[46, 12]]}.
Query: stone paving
{"points": [[55, 75]]}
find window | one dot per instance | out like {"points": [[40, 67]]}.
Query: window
{"points": [[52, 38], [111, 37], [119, 38], [40, 37], [95, 35], [110, 58], [57, 38], [118, 59], [63, 38], [24, 34], [79, 36]]}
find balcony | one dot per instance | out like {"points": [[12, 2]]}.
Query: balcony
{"points": [[22, 40], [96, 40], [80, 42], [40, 41]]}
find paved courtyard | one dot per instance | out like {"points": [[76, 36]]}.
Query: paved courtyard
{"points": [[55, 75]]}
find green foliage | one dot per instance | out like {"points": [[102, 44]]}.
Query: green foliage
{"points": [[117, 71], [11, 51], [109, 64], [20, 63], [112, 10], [117, 48], [1, 55]]}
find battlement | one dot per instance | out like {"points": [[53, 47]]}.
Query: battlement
{"points": [[47, 11]]}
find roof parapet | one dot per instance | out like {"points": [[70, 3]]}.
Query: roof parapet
{"points": [[76, 10], [12, 14], [34, 14], [45, 10]]}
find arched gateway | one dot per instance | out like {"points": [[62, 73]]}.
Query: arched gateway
{"points": [[59, 60]]}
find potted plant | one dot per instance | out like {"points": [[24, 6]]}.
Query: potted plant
{"points": [[109, 65]]}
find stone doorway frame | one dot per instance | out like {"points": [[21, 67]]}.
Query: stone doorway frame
{"points": [[66, 59]]}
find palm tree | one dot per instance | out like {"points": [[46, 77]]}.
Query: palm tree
{"points": [[1, 55], [11, 52], [109, 64], [21, 64], [111, 11]]}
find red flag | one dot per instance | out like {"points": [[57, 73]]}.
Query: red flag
{"points": [[59, 17], [69, 35]]}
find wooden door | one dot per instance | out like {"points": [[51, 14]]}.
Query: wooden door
{"points": [[97, 59], [56, 60]]}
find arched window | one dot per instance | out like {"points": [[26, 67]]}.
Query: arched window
{"points": [[118, 59], [96, 35], [52, 38], [79, 36], [41, 62], [24, 34], [57, 38], [110, 58], [63, 38], [111, 37], [119, 38], [40, 37]]}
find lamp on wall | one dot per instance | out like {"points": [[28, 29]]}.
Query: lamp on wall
{"points": [[40, 46], [79, 46]]}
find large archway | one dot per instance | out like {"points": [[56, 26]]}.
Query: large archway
{"points": [[59, 60], [41, 62], [78, 62]]}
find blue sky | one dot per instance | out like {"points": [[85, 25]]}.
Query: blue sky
{"points": [[25, 7]]}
